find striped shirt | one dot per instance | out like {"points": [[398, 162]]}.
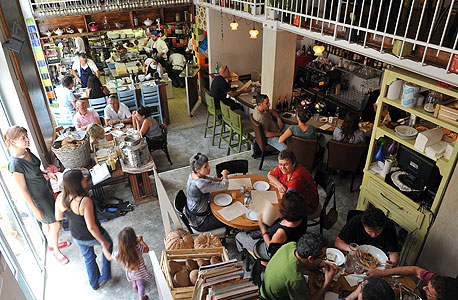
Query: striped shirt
{"points": [[141, 273]]}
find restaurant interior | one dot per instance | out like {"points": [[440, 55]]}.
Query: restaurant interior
{"points": [[387, 68]]}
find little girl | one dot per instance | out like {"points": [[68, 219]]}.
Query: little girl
{"points": [[131, 247]]}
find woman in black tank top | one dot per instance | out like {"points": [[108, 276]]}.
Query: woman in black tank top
{"points": [[95, 89], [287, 229], [84, 225]]}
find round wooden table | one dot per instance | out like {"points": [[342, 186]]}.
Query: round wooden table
{"points": [[241, 222]]}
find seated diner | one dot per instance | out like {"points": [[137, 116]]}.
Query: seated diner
{"points": [[95, 89], [301, 130], [116, 112], [349, 132], [146, 124], [85, 116]]}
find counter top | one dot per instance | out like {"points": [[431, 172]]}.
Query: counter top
{"points": [[190, 71]]}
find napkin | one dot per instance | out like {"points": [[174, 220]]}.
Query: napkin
{"points": [[331, 296], [354, 279], [233, 211], [270, 196], [325, 127], [236, 183]]}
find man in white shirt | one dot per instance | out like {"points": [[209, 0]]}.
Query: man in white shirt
{"points": [[177, 63], [83, 68], [116, 112], [151, 67], [79, 44], [159, 46]]}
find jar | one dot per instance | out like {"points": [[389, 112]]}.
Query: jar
{"points": [[431, 101], [351, 258]]}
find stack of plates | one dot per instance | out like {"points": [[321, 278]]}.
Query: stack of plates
{"points": [[405, 132]]}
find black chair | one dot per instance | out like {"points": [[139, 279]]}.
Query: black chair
{"points": [[180, 204], [324, 181], [233, 166], [261, 141], [160, 143], [352, 213]]}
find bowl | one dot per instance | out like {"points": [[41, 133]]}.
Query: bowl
{"points": [[377, 253], [406, 132]]}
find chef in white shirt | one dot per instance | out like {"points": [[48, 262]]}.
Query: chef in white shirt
{"points": [[177, 63], [151, 66], [83, 68], [116, 112], [159, 46], [79, 44]]}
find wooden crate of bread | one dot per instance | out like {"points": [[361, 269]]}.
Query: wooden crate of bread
{"points": [[447, 111], [180, 256], [101, 155]]}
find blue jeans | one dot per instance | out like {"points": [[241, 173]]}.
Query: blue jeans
{"points": [[87, 249], [273, 141]]}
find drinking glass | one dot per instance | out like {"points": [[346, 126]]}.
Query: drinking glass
{"points": [[359, 269]]}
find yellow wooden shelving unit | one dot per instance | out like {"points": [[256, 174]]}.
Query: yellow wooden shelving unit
{"points": [[374, 191]]}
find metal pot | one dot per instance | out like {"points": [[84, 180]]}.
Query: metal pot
{"points": [[93, 27], [132, 140], [135, 150]]}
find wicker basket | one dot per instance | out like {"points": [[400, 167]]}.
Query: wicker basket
{"points": [[73, 157]]}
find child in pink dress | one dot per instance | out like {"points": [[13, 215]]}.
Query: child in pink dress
{"points": [[130, 255]]}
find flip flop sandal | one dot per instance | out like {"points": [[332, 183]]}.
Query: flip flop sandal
{"points": [[60, 245]]}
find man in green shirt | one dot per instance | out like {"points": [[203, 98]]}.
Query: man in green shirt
{"points": [[284, 277]]}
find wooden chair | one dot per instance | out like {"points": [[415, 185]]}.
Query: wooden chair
{"points": [[225, 121], [243, 128], [180, 204], [233, 166], [151, 98], [216, 113], [129, 98], [308, 152], [99, 105], [346, 157], [160, 143], [323, 180], [261, 140]]}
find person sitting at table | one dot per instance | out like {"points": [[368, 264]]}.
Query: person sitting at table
{"points": [[437, 287], [95, 89], [289, 228], [148, 127], [284, 275], [152, 67], [82, 68], [270, 121], [301, 130], [65, 95], [371, 227], [116, 112], [291, 176], [85, 116], [198, 190], [372, 289], [349, 132], [221, 89]]}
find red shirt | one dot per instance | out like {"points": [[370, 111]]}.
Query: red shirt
{"points": [[302, 182], [426, 275]]}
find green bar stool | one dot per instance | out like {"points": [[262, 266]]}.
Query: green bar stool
{"points": [[243, 128], [211, 110], [226, 120]]}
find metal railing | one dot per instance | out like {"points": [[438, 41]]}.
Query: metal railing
{"points": [[418, 35], [252, 7]]}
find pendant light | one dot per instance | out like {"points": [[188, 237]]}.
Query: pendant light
{"points": [[234, 25], [253, 32], [318, 50]]}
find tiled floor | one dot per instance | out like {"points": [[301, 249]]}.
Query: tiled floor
{"points": [[178, 110]]}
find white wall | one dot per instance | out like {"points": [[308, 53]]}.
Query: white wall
{"points": [[235, 48], [9, 288]]}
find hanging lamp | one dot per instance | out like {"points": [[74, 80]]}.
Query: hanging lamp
{"points": [[234, 25], [318, 50], [253, 33]]}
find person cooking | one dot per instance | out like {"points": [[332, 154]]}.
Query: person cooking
{"points": [[83, 68], [158, 47], [152, 67]]}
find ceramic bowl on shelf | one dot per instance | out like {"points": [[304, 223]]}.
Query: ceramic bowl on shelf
{"points": [[406, 132]]}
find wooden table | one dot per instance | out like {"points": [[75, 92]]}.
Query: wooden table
{"points": [[241, 222], [144, 171], [342, 287]]}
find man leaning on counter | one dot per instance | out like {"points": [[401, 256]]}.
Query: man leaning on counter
{"points": [[83, 67]]}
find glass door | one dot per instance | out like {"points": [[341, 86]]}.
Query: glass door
{"points": [[21, 239]]}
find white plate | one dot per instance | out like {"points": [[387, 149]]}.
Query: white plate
{"points": [[261, 186], [377, 253], [222, 199], [340, 259], [323, 119], [122, 88], [119, 125], [405, 132], [107, 128], [252, 215]]}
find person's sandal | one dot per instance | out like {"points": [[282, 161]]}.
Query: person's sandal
{"points": [[64, 260], [60, 245], [145, 297]]}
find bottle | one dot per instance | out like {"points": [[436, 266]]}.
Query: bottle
{"points": [[115, 83], [285, 104], [278, 105], [303, 49], [337, 113], [309, 50], [293, 103], [217, 68]]}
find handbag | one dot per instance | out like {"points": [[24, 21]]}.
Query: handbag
{"points": [[330, 218]]}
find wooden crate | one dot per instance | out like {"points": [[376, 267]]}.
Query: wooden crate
{"points": [[182, 255], [104, 145]]}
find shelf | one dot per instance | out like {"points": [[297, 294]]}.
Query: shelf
{"points": [[442, 163], [421, 113], [365, 77]]}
